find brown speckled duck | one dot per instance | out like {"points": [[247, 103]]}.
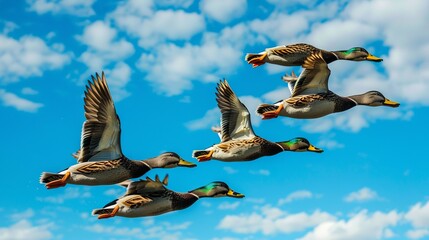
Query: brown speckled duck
{"points": [[151, 198], [295, 54], [311, 97], [100, 160], [238, 141]]}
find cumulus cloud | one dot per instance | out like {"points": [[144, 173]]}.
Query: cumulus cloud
{"points": [[21, 104], [104, 49], [24, 229], [271, 221], [418, 215], [140, 19], [223, 10], [29, 56], [363, 225], [297, 195], [210, 118], [363, 194], [80, 8], [29, 91]]}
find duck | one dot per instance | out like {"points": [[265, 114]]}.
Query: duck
{"points": [[151, 198], [238, 140], [311, 97], [100, 160], [295, 55]]}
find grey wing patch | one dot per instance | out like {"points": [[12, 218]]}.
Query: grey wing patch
{"points": [[235, 121], [101, 131], [314, 78], [148, 187]]}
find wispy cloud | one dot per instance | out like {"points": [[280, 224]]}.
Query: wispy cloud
{"points": [[297, 195], [364, 194], [11, 100], [230, 170], [69, 193], [262, 172], [228, 206], [210, 118]]}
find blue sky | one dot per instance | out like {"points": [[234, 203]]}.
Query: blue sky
{"points": [[162, 60]]}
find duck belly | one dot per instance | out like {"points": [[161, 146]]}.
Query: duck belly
{"points": [[236, 151], [153, 208], [96, 173], [315, 109]]}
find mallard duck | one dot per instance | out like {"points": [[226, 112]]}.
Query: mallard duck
{"points": [[295, 54], [238, 141], [150, 198], [100, 160], [311, 97]]}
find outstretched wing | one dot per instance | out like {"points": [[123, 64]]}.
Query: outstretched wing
{"points": [[101, 132], [314, 78], [235, 121]]}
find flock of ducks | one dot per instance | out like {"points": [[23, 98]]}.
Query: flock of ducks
{"points": [[100, 160]]}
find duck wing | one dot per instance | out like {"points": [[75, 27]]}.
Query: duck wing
{"points": [[101, 132], [314, 78], [235, 120]]}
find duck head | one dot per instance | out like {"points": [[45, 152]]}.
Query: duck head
{"points": [[299, 144], [168, 160], [374, 99], [216, 189], [357, 54]]}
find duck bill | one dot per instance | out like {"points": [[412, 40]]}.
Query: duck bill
{"points": [[233, 194], [312, 148], [184, 163], [373, 58], [390, 103]]}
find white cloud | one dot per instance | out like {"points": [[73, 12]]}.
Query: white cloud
{"points": [[24, 230], [23, 215], [228, 206], [418, 215], [210, 118], [105, 48], [328, 142], [297, 195], [175, 3], [11, 100], [417, 233], [29, 91], [69, 193], [223, 10], [272, 221], [139, 18], [364, 194], [360, 226], [81, 8], [29, 56]]}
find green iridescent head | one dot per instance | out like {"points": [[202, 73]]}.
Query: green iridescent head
{"points": [[216, 189], [299, 144], [357, 54]]}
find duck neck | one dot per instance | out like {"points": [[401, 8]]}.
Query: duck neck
{"points": [[331, 56], [183, 200], [199, 193], [138, 168], [151, 162], [357, 99], [284, 146]]}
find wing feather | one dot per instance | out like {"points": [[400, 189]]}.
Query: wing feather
{"points": [[235, 121], [314, 78], [101, 131]]}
